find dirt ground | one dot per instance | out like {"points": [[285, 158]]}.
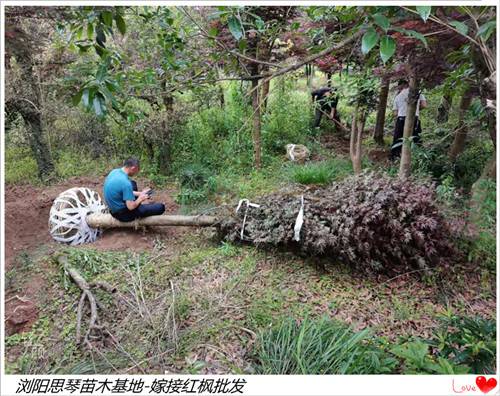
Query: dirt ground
{"points": [[339, 144], [26, 229]]}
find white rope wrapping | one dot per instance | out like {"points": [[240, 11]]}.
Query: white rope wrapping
{"points": [[248, 203], [67, 219], [297, 152], [290, 152], [298, 222]]}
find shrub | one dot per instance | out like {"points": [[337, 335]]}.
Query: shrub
{"points": [[481, 244], [369, 221], [415, 358], [432, 159], [196, 184], [467, 341], [216, 137], [287, 119], [71, 163]]}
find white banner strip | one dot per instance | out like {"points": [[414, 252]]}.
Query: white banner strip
{"points": [[250, 385]]}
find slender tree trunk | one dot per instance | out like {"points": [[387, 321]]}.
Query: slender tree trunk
{"points": [[487, 89], [37, 143], [255, 50], [405, 165], [221, 96], [329, 80], [444, 107], [309, 75], [256, 124], [458, 144], [265, 90], [378, 134], [164, 144], [168, 101], [221, 91], [355, 144]]}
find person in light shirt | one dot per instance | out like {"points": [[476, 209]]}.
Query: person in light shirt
{"points": [[400, 107]]}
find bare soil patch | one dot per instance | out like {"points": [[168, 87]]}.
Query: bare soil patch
{"points": [[27, 210]]}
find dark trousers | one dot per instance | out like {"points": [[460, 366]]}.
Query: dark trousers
{"points": [[143, 210], [397, 142], [319, 113]]}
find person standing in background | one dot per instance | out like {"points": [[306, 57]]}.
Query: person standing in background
{"points": [[400, 107]]}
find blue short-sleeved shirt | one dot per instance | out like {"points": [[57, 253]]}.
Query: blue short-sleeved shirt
{"points": [[118, 189]]}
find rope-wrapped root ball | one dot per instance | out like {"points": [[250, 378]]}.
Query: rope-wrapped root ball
{"points": [[67, 219]]}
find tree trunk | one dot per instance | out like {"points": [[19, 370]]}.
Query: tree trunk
{"points": [[255, 50], [413, 94], [309, 75], [221, 96], [27, 102], [220, 90], [164, 147], [378, 134], [458, 144], [329, 80], [487, 90], [38, 145], [163, 158], [356, 140], [444, 108], [168, 101], [265, 94], [107, 221], [256, 124]]}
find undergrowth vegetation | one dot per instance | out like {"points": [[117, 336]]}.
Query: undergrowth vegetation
{"points": [[324, 346]]}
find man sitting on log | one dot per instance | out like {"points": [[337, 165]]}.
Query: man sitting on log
{"points": [[124, 200]]}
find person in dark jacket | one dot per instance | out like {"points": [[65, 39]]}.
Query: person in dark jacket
{"points": [[325, 101]]}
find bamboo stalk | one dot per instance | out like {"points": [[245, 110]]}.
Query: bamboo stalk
{"points": [[107, 221]]}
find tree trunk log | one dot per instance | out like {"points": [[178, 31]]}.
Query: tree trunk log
{"points": [[378, 134], [458, 144], [413, 96], [444, 107], [107, 221]]}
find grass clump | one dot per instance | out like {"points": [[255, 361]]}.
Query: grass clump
{"points": [[320, 172], [315, 347], [20, 166]]}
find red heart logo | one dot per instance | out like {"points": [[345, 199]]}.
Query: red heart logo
{"points": [[484, 385]]}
